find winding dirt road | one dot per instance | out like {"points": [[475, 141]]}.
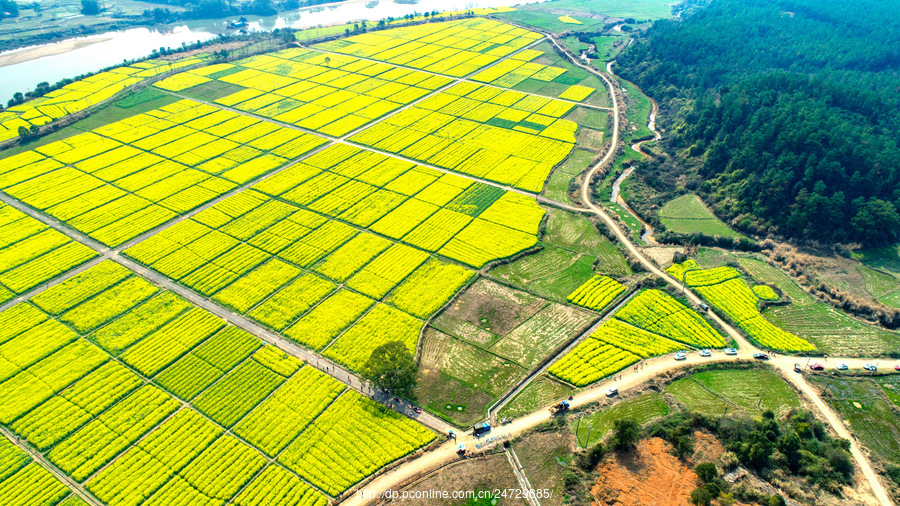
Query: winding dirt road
{"points": [[630, 378]]}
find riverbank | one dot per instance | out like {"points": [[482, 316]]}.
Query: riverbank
{"points": [[33, 53]]}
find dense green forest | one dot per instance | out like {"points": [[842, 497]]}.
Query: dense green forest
{"points": [[783, 114]]}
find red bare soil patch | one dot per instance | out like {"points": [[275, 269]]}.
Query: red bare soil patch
{"points": [[648, 475]]}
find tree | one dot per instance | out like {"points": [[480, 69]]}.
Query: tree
{"points": [[776, 500], [391, 366], [626, 433], [790, 446], [90, 7], [700, 497], [589, 459], [706, 471]]}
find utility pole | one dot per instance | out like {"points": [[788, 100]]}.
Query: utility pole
{"points": [[578, 426], [758, 404]]}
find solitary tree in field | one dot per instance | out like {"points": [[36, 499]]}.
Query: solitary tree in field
{"points": [[393, 367], [626, 433], [90, 7]]}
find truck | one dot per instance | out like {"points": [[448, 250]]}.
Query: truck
{"points": [[480, 428], [559, 407]]}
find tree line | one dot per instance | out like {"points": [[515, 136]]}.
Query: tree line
{"points": [[783, 112]]}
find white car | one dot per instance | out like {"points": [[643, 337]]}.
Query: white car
{"points": [[612, 392], [730, 351], [705, 353], [870, 367], [681, 355], [843, 367]]}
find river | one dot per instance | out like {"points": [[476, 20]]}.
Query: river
{"points": [[51, 62]]}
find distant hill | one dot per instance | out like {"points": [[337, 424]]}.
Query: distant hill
{"points": [[784, 113]]}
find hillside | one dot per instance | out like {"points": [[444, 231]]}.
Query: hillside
{"points": [[782, 114]]}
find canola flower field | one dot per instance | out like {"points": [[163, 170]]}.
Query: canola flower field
{"points": [[80, 95], [97, 382], [727, 292], [275, 202], [650, 324]]}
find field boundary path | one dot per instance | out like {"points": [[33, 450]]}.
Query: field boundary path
{"points": [[446, 452], [519, 471], [337, 371], [74, 486], [508, 396], [647, 369]]}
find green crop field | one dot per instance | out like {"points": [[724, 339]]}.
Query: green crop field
{"points": [[642, 409], [872, 417], [881, 270], [832, 331], [544, 14], [549, 21], [638, 112], [735, 391], [572, 246], [485, 342], [689, 215], [544, 390]]}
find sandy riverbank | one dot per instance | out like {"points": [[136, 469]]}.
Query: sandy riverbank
{"points": [[34, 53]]}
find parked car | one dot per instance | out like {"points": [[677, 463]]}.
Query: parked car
{"points": [[797, 368], [817, 367], [897, 367], [842, 367], [704, 307], [870, 367], [730, 351], [705, 353], [612, 392], [760, 356], [680, 355]]}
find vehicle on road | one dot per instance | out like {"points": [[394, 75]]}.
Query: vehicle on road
{"points": [[760, 356], [506, 421], [418, 410], [559, 407], [681, 355], [705, 353], [730, 351], [870, 367], [612, 392], [704, 306], [897, 367], [481, 428], [843, 367], [817, 367], [797, 368]]}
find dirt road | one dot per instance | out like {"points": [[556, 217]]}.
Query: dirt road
{"points": [[629, 378]]}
